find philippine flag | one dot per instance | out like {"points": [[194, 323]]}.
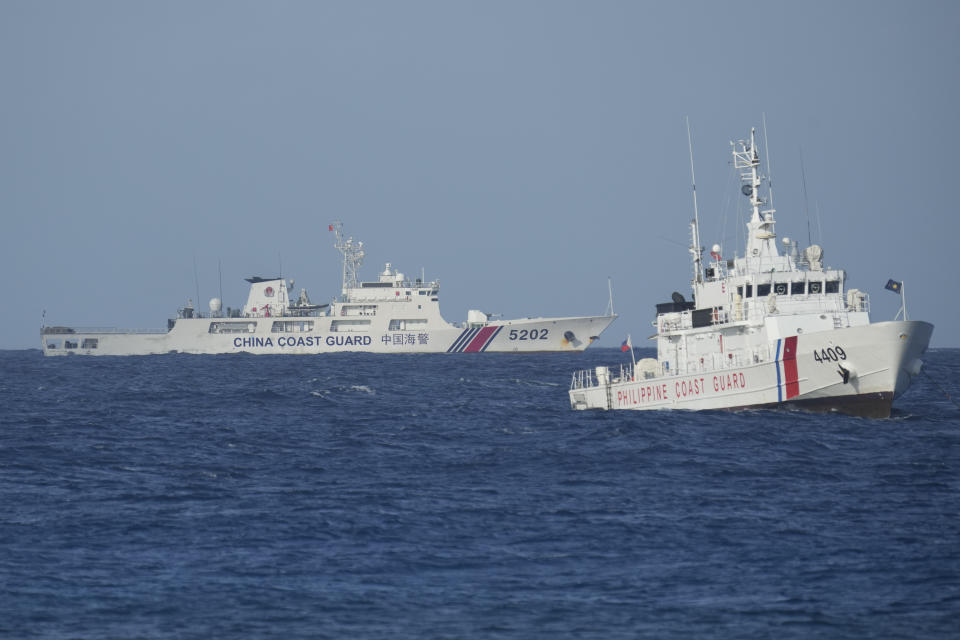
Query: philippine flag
{"points": [[627, 345]]}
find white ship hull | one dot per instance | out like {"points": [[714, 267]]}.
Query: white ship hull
{"points": [[880, 361], [391, 314], [192, 335], [764, 330]]}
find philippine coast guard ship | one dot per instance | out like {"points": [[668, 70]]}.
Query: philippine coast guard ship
{"points": [[391, 314], [764, 330]]}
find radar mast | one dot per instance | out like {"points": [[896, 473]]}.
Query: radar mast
{"points": [[761, 239], [352, 257]]}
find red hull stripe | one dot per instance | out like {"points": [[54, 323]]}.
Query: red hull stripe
{"points": [[492, 338], [461, 340], [791, 378], [480, 339]]}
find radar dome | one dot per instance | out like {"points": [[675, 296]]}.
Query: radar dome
{"points": [[215, 305], [814, 255]]}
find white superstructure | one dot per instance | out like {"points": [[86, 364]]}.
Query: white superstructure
{"points": [[764, 330], [392, 314]]}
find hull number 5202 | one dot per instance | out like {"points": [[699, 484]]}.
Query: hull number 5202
{"points": [[528, 334]]}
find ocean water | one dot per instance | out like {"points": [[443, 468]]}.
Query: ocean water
{"points": [[458, 496]]}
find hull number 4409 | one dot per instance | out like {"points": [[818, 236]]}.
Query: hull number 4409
{"points": [[830, 354], [528, 334]]}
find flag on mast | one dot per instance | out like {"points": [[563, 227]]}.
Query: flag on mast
{"points": [[628, 346], [897, 287]]}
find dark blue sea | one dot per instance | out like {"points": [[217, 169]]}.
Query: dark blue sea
{"points": [[458, 496]]}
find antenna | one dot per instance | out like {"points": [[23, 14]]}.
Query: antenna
{"points": [[819, 228], [220, 280], [610, 291], [196, 280], [766, 152], [695, 249], [806, 204]]}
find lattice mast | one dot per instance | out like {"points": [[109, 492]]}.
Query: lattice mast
{"points": [[352, 258]]}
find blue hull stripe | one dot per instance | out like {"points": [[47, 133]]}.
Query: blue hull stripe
{"points": [[776, 363], [463, 340], [457, 341]]}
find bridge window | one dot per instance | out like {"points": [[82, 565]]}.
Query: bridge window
{"points": [[763, 290], [292, 326], [407, 324], [350, 325], [232, 327], [832, 286], [358, 310], [797, 288]]}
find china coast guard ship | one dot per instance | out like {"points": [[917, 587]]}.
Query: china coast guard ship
{"points": [[764, 330], [391, 314]]}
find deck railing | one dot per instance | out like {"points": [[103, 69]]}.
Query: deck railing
{"points": [[70, 331]]}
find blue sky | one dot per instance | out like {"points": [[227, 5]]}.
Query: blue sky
{"points": [[521, 152]]}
